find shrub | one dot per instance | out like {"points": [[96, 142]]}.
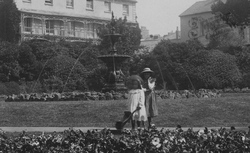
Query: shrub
{"points": [[3, 89], [213, 69], [9, 88], [62, 73]]}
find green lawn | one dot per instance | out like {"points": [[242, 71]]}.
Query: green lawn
{"points": [[229, 110]]}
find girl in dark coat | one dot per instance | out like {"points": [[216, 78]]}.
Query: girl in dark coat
{"points": [[150, 96]]}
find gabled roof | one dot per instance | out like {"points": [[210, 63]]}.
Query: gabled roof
{"points": [[199, 7]]}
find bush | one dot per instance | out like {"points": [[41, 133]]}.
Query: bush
{"points": [[3, 89], [9, 88], [31, 87], [213, 69], [62, 73]]}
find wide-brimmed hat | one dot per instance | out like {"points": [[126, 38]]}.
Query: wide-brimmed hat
{"points": [[147, 70]]}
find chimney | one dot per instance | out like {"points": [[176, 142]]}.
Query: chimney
{"points": [[177, 33]]}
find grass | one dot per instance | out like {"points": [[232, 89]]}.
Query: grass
{"points": [[228, 110]]}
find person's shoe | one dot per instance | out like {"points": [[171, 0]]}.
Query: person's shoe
{"points": [[149, 126]]}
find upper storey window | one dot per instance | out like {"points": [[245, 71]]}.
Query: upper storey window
{"points": [[49, 2], [70, 3], [27, 1], [90, 4], [107, 6], [125, 9]]}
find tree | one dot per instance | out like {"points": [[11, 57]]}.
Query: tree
{"points": [[213, 69], [223, 37], [168, 60], [130, 36], [9, 65], [172, 59], [63, 73], [28, 63], [189, 66], [233, 12], [9, 21]]}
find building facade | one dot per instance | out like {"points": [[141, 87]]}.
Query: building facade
{"points": [[173, 35], [70, 19], [195, 23], [144, 32], [192, 20]]}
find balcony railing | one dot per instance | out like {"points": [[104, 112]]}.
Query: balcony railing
{"points": [[38, 30]]}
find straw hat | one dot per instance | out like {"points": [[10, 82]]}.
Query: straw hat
{"points": [[147, 70]]}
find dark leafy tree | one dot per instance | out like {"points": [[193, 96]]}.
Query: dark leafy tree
{"points": [[9, 65], [95, 68], [28, 63], [168, 60], [75, 48], [46, 50], [9, 21], [63, 73], [213, 69], [130, 36], [172, 61], [189, 66], [222, 36], [233, 12]]}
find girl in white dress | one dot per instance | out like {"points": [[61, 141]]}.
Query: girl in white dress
{"points": [[136, 100]]}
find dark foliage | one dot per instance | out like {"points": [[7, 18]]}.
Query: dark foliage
{"points": [[189, 66], [141, 141], [63, 73], [9, 65], [9, 21], [233, 12], [130, 36], [213, 69]]}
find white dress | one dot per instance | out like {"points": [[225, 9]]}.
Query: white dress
{"points": [[137, 98]]}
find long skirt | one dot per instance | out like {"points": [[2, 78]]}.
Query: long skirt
{"points": [[151, 104]]}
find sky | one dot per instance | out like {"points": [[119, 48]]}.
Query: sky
{"points": [[161, 16]]}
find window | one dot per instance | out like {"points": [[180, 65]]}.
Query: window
{"points": [[28, 24], [107, 6], [49, 2], [27, 1], [70, 3], [90, 4], [50, 27], [125, 9]]}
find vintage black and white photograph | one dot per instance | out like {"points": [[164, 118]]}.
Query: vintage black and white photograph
{"points": [[124, 76]]}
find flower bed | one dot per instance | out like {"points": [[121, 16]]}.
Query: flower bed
{"points": [[139, 141], [68, 96], [202, 93], [84, 96]]}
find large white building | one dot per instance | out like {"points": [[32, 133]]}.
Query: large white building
{"points": [[70, 19]]}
